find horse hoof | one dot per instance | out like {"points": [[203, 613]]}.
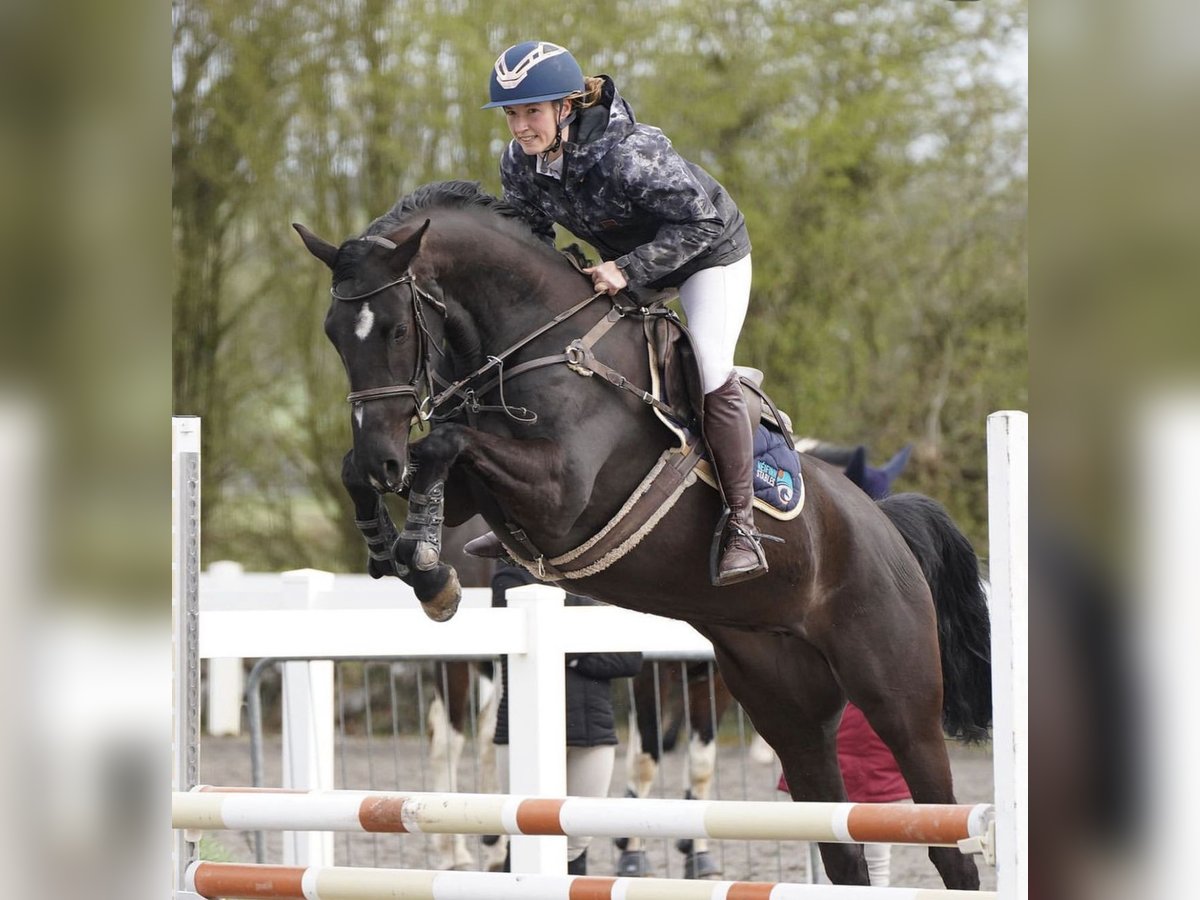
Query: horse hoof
{"points": [[700, 865], [633, 864], [425, 556], [442, 606]]}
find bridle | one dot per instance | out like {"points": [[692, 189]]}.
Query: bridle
{"points": [[422, 370], [422, 380]]}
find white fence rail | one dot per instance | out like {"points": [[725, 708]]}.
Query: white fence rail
{"points": [[313, 614]]}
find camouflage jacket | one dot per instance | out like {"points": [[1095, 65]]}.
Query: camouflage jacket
{"points": [[626, 192]]}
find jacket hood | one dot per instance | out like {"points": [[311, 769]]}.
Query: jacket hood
{"points": [[601, 127]]}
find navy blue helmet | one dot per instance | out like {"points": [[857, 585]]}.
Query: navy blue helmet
{"points": [[531, 72]]}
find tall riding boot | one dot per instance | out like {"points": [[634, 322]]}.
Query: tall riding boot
{"points": [[730, 438]]}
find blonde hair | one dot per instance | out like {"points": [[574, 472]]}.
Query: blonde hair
{"points": [[590, 96]]}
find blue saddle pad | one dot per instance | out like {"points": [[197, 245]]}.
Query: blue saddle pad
{"points": [[776, 470]]}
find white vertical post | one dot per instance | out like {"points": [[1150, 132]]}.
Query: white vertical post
{"points": [[537, 727], [1162, 637], [1008, 538], [226, 674], [308, 726], [185, 621]]}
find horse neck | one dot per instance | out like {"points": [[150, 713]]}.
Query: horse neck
{"points": [[498, 290]]}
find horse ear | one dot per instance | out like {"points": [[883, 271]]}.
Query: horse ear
{"points": [[894, 466], [407, 246], [321, 249], [856, 469]]}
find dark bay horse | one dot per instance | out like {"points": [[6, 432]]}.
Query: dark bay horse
{"points": [[857, 593], [692, 697]]}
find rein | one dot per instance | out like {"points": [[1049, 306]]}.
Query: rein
{"points": [[578, 356], [431, 401]]}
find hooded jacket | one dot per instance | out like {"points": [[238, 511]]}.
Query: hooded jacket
{"points": [[590, 721], [627, 192]]}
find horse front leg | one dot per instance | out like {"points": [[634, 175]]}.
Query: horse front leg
{"points": [[523, 476], [437, 587], [372, 519]]}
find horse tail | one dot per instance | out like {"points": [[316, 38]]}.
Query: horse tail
{"points": [[951, 569]]}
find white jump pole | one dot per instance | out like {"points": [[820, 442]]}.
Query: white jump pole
{"points": [[249, 881], [537, 730], [309, 715], [185, 619], [1008, 568]]}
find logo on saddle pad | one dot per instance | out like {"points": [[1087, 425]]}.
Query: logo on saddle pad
{"points": [[767, 475]]}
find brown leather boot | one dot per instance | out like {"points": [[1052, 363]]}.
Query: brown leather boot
{"points": [[486, 546], [730, 440]]}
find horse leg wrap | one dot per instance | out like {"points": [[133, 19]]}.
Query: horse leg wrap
{"points": [[380, 535], [424, 526]]}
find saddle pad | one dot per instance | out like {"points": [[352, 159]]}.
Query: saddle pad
{"points": [[777, 480]]}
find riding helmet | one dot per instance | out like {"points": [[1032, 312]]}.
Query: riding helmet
{"points": [[531, 72]]}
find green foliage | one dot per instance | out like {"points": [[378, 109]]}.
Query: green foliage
{"points": [[874, 149]]}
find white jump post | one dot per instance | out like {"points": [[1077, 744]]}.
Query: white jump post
{"points": [[1008, 568], [185, 620], [226, 674], [537, 733], [308, 725]]}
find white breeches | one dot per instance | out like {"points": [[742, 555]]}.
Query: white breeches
{"points": [[715, 302]]}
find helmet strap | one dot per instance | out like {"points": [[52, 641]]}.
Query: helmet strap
{"points": [[558, 130]]}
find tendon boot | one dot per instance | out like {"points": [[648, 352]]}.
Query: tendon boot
{"points": [[730, 439], [485, 546]]}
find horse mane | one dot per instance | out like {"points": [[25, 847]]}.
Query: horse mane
{"points": [[466, 195], [456, 195]]}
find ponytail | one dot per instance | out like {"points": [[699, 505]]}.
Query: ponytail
{"points": [[592, 88]]}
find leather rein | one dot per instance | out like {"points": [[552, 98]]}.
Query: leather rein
{"points": [[422, 380]]}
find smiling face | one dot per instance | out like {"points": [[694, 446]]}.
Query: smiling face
{"points": [[533, 124]]}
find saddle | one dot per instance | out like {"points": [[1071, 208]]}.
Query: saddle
{"points": [[677, 398]]}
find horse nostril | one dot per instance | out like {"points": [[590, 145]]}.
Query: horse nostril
{"points": [[392, 469]]}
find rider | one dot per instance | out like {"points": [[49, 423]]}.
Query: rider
{"points": [[578, 158]]}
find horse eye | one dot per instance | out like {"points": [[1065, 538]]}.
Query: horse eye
{"points": [[399, 333]]}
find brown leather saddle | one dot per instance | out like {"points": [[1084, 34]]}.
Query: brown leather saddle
{"points": [[677, 398]]}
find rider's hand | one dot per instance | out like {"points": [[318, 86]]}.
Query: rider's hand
{"points": [[607, 277]]}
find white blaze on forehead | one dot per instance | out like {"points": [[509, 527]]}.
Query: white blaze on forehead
{"points": [[358, 414], [365, 322]]}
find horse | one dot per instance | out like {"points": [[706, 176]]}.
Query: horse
{"points": [[450, 289], [693, 697]]}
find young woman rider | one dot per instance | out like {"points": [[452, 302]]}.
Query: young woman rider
{"points": [[578, 158]]}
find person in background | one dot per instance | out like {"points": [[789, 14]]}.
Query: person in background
{"points": [[871, 775], [591, 731]]}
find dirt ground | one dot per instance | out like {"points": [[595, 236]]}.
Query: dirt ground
{"points": [[395, 763]]}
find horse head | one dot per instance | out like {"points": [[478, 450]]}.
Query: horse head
{"points": [[876, 482], [377, 322]]}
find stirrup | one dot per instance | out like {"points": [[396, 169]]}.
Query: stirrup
{"points": [[714, 553]]}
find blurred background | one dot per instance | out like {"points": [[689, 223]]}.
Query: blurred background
{"points": [[152, 158]]}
